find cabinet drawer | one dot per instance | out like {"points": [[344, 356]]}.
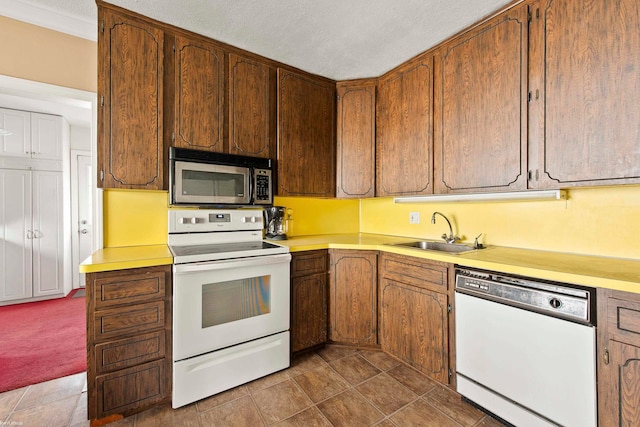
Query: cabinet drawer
{"points": [[415, 271], [131, 388], [117, 322], [624, 320], [125, 353], [306, 263], [131, 288]]}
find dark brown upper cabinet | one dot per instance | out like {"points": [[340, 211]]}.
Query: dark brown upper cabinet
{"points": [[584, 85], [481, 108], [196, 80], [252, 107], [404, 134], [130, 148], [306, 135], [356, 139]]}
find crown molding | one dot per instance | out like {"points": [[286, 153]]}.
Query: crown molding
{"points": [[56, 20]]}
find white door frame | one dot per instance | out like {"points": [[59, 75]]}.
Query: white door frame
{"points": [[75, 221]]}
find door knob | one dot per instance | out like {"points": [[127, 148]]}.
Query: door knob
{"points": [[84, 231]]}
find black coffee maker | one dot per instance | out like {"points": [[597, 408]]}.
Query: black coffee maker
{"points": [[275, 223]]}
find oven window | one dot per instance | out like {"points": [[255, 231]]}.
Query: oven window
{"points": [[200, 183], [226, 302]]}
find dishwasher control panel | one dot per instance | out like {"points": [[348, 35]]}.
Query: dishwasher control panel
{"points": [[551, 298]]}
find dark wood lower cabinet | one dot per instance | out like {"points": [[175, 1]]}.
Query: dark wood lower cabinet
{"points": [[353, 309], [128, 340], [414, 313], [618, 358], [308, 299]]}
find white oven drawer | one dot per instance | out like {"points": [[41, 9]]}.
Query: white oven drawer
{"points": [[211, 373]]}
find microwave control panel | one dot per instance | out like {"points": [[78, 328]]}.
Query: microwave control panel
{"points": [[262, 186]]}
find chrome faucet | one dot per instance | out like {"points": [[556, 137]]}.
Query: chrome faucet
{"points": [[450, 238]]}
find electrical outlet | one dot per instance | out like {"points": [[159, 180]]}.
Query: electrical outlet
{"points": [[414, 218]]}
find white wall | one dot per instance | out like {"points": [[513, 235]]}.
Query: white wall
{"points": [[80, 138]]}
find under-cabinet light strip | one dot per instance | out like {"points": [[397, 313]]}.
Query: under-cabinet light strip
{"points": [[487, 197]]}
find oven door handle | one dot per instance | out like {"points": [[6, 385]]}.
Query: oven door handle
{"points": [[227, 264]]}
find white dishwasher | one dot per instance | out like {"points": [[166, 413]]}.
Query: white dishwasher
{"points": [[525, 349]]}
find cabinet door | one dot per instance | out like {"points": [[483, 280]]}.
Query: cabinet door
{"points": [[481, 108], [353, 297], [46, 136], [585, 109], [130, 144], [48, 233], [16, 234], [356, 139], [18, 143], [309, 311], [199, 94], [252, 102], [306, 128], [414, 327], [404, 158]]}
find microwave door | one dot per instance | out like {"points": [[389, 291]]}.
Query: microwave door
{"points": [[208, 184]]}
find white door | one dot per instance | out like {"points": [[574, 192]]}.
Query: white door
{"points": [[46, 136], [48, 233], [18, 143], [15, 234], [82, 212]]}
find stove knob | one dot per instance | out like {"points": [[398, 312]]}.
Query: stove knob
{"points": [[183, 220], [253, 219], [194, 220]]}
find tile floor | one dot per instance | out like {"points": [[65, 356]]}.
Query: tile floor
{"points": [[337, 386]]}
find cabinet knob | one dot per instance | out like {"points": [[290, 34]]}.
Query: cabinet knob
{"points": [[605, 357]]}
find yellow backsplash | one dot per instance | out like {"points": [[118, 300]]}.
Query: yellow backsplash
{"points": [[602, 221]]}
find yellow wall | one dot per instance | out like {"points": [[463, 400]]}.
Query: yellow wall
{"points": [[35, 53], [596, 221], [321, 216], [134, 217]]}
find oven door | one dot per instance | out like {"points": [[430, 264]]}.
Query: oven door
{"points": [[209, 184], [222, 303]]}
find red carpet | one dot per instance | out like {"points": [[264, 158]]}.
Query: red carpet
{"points": [[41, 341]]}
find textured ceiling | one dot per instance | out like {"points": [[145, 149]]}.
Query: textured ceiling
{"points": [[338, 39]]}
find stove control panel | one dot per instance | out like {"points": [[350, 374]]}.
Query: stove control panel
{"points": [[205, 220]]}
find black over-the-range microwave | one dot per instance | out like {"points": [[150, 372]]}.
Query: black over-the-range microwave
{"points": [[204, 178]]}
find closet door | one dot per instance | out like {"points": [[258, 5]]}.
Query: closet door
{"points": [[47, 233], [15, 234]]}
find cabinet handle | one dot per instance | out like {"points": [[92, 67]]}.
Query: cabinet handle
{"points": [[37, 234], [29, 234], [605, 357]]}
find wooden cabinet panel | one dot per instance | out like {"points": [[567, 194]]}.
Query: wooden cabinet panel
{"points": [[481, 108], [114, 355], [133, 388], [128, 340], [308, 262], [585, 112], [353, 298], [415, 321], [414, 328], [130, 146], [404, 158], [125, 287], [618, 358], [116, 322], [309, 308], [306, 135], [252, 105], [198, 95], [356, 139]]}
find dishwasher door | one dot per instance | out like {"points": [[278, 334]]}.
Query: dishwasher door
{"points": [[528, 368]]}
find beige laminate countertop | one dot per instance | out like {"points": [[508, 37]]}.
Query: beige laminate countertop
{"points": [[611, 273]]}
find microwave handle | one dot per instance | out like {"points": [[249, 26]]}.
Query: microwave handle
{"points": [[252, 199]]}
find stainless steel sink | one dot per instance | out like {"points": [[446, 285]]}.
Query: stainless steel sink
{"points": [[431, 245]]}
